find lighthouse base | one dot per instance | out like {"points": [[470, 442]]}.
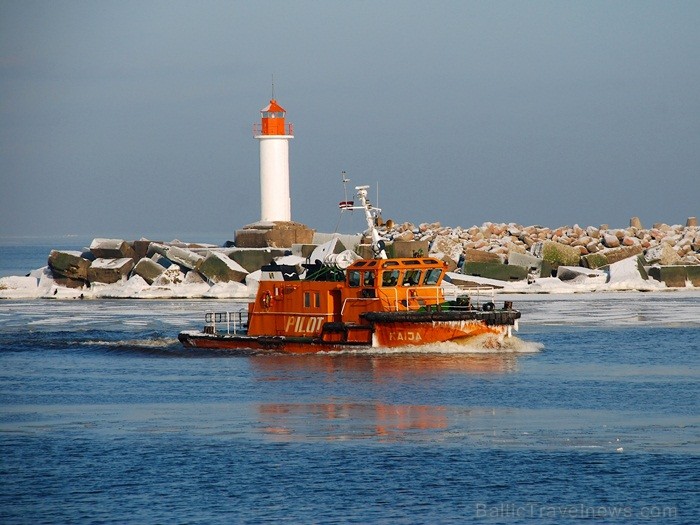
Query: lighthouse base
{"points": [[278, 234]]}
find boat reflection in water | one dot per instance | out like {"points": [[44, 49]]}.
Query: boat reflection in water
{"points": [[347, 421], [337, 419]]}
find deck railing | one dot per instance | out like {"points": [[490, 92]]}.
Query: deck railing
{"points": [[227, 322]]}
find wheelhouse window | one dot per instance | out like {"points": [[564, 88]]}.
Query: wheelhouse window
{"points": [[390, 277], [354, 278], [368, 278], [411, 278], [432, 276]]}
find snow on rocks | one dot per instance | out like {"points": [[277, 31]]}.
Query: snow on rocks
{"points": [[114, 268], [519, 258]]}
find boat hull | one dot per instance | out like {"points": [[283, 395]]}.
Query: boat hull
{"points": [[383, 329]]}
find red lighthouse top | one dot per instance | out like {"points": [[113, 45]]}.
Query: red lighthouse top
{"points": [[272, 120]]}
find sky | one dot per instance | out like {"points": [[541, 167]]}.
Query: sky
{"points": [[134, 119]]}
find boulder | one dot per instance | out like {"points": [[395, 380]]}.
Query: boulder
{"points": [[662, 254], [111, 249], [448, 246], [219, 268], [611, 241], [148, 270], [109, 270], [68, 264], [404, 236], [579, 274]]}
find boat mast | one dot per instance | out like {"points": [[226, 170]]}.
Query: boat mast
{"points": [[370, 215]]}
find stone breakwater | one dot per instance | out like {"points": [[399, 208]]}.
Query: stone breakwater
{"points": [[529, 258], [666, 244], [664, 255]]}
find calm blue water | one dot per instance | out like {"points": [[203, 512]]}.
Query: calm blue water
{"points": [[592, 414]]}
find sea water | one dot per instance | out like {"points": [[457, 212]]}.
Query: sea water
{"points": [[590, 414]]}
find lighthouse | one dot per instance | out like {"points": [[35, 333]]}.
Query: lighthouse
{"points": [[274, 135], [275, 228]]}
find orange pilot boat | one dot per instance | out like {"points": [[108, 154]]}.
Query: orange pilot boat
{"points": [[340, 304]]}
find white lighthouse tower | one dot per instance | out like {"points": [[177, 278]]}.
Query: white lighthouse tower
{"points": [[274, 134], [275, 228]]}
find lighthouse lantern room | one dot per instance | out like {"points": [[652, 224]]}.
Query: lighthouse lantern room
{"points": [[274, 134]]}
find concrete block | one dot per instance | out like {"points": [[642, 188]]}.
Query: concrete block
{"points": [[558, 254], [67, 282], [492, 270], [673, 276], [525, 260], [333, 246], [472, 255], [641, 268], [112, 249], [140, 248], [68, 264], [411, 248], [276, 234], [614, 255], [109, 270], [252, 259], [160, 259], [148, 269], [349, 241], [219, 268], [451, 263], [693, 274], [303, 250], [365, 251], [181, 256], [594, 260]]}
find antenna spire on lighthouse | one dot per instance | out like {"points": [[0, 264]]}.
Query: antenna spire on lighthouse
{"points": [[274, 135]]}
